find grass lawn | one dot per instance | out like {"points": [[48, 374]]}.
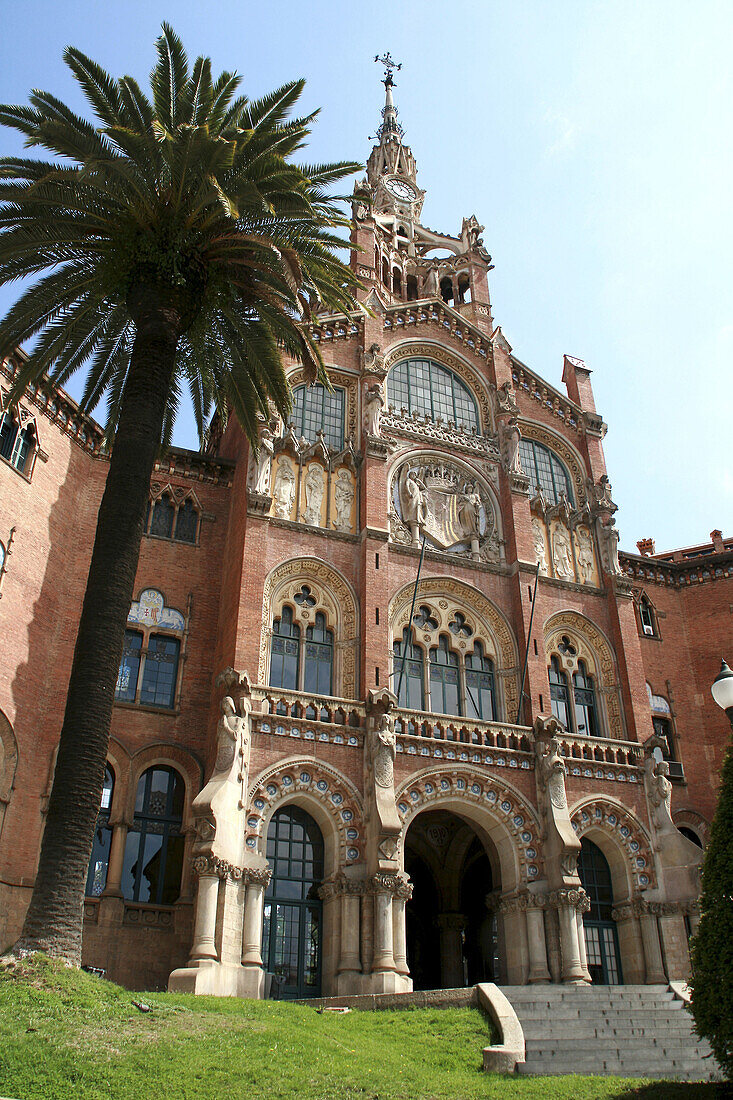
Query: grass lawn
{"points": [[64, 1033]]}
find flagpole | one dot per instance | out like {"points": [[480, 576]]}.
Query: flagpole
{"points": [[529, 638], [412, 612]]}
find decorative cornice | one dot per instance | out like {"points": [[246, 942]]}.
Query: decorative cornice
{"points": [[677, 574]]}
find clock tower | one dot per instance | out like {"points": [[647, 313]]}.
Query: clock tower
{"points": [[411, 262]]}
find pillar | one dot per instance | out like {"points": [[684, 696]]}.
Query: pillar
{"points": [[581, 946], [350, 960], [536, 945], [383, 959], [204, 935], [252, 928], [113, 886], [653, 961], [572, 971], [400, 936], [451, 949]]}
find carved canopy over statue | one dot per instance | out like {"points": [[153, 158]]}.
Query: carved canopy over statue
{"points": [[445, 503]]}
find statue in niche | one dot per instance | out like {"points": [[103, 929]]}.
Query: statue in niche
{"points": [[386, 752], [314, 489], [373, 405], [259, 479], [228, 733], [510, 436], [343, 496], [584, 555], [562, 555], [539, 545], [469, 512], [431, 283], [283, 493]]}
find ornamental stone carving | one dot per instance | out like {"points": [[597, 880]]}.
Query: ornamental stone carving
{"points": [[258, 477], [314, 488], [384, 827], [445, 503], [283, 493], [343, 496], [373, 404], [540, 549], [562, 847]]}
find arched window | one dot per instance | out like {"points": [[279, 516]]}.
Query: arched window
{"points": [[411, 688], [585, 703], [559, 694], [292, 928], [285, 652], [187, 522], [445, 696], [153, 862], [159, 661], [446, 289], [164, 512], [16, 444], [601, 942], [480, 700], [397, 281], [99, 861], [424, 387], [318, 665], [411, 288], [315, 410], [545, 471]]}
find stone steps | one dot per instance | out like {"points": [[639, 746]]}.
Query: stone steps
{"points": [[628, 1031]]}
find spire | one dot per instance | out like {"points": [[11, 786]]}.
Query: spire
{"points": [[390, 127]]}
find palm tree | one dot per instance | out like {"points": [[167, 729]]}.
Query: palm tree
{"points": [[178, 246]]}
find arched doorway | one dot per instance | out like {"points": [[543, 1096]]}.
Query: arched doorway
{"points": [[451, 932], [601, 938], [292, 930]]}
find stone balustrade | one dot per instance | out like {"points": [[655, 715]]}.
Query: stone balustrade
{"points": [[601, 750], [312, 717]]}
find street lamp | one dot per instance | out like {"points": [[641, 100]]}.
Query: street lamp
{"points": [[722, 690]]}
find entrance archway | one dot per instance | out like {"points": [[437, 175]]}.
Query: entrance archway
{"points": [[293, 914], [451, 932], [601, 937]]}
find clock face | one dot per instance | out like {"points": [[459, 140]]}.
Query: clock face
{"points": [[401, 189]]}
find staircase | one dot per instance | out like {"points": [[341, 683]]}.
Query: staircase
{"points": [[623, 1030]]}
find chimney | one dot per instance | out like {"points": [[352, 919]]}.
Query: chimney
{"points": [[646, 547], [717, 540]]}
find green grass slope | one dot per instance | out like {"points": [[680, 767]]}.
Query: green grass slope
{"points": [[64, 1033]]}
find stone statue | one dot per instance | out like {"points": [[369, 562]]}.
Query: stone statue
{"points": [[660, 795], [259, 481], [228, 733], [584, 555], [386, 752], [600, 494], [373, 405], [510, 436], [412, 498], [314, 489], [372, 360], [553, 772], [539, 545], [431, 283], [343, 496], [284, 489], [608, 543], [506, 399], [469, 512], [562, 846], [562, 558]]}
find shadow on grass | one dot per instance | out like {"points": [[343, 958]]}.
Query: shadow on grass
{"points": [[669, 1090]]}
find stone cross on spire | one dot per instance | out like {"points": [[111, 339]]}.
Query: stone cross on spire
{"points": [[390, 126]]}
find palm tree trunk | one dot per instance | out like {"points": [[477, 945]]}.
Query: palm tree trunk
{"points": [[54, 920]]}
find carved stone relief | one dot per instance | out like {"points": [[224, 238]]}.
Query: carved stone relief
{"points": [[312, 508]]}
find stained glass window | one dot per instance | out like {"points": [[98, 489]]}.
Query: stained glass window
{"points": [[314, 410], [424, 387], [545, 471], [153, 860], [161, 671]]}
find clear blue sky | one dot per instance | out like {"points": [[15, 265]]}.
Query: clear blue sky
{"points": [[593, 140]]}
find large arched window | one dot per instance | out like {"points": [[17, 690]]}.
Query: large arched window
{"points": [[424, 387], [559, 694], [291, 939], [315, 410], [285, 652], [601, 942], [99, 861], [307, 667], [408, 683], [153, 862], [318, 662], [545, 471], [480, 697]]}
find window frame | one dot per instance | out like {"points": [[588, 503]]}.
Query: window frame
{"points": [[177, 508], [169, 825], [302, 639], [422, 655], [335, 442], [147, 634], [534, 475], [28, 434]]}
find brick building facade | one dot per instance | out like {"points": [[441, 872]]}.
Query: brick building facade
{"points": [[318, 770]]}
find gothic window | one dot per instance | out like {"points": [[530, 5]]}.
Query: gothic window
{"points": [[559, 694], [545, 471], [153, 860], [164, 512], [445, 696], [397, 282], [285, 652], [585, 703], [411, 688], [16, 444], [99, 861], [315, 410], [127, 677], [148, 673], [480, 697], [187, 522], [424, 387], [293, 911], [446, 289], [318, 663]]}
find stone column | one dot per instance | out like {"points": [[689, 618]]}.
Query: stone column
{"points": [[581, 945], [255, 880], [350, 961], [383, 959], [451, 953], [400, 935], [693, 913], [536, 944], [113, 886], [567, 903], [204, 935]]}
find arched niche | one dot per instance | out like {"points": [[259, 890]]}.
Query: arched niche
{"points": [[622, 839], [488, 624], [503, 818], [333, 596], [592, 646], [329, 797]]}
